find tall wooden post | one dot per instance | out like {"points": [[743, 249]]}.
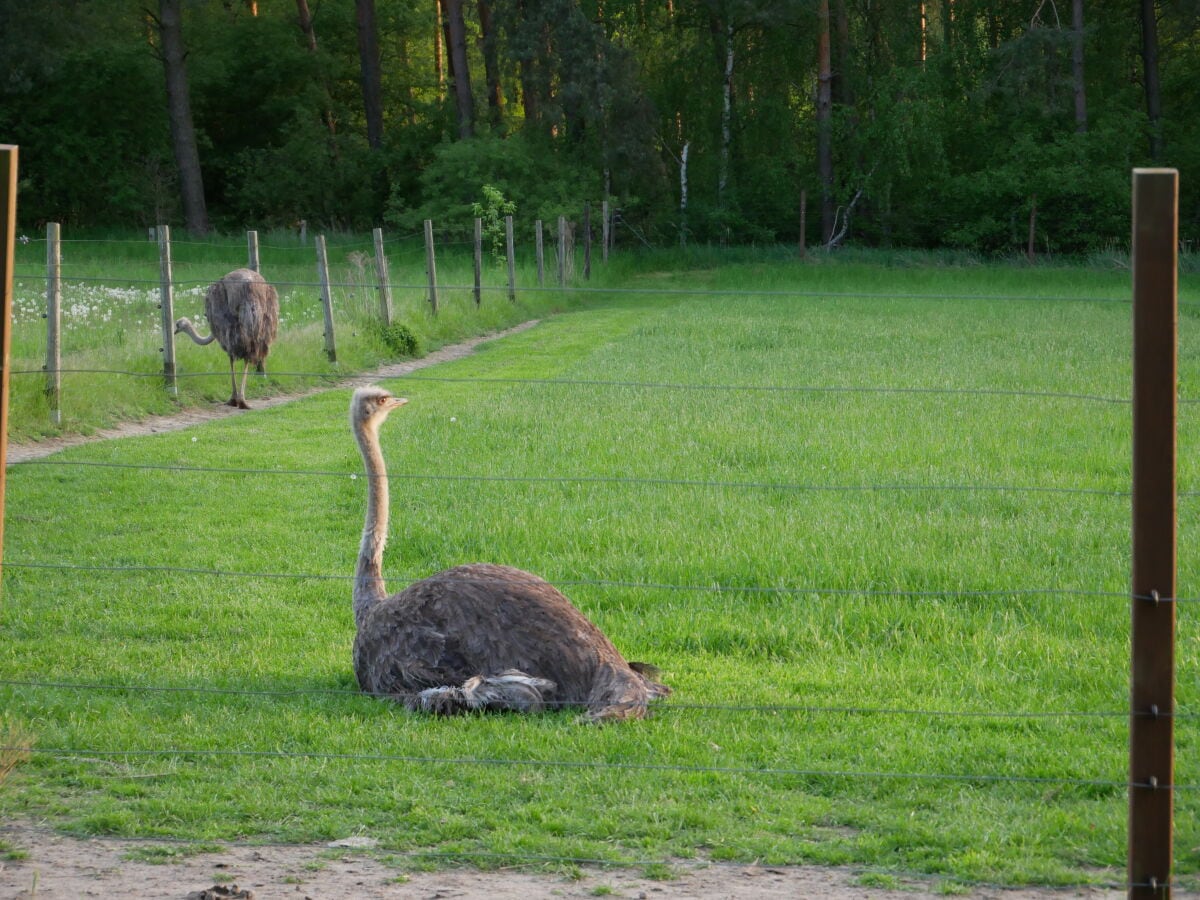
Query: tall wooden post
{"points": [[478, 261], [1152, 692], [54, 321], [166, 304], [587, 240], [803, 222], [252, 261], [562, 251], [326, 297], [605, 227], [431, 266], [384, 276], [8, 234], [539, 242], [510, 256]]}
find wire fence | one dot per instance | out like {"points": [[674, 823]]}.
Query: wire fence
{"points": [[676, 706]]}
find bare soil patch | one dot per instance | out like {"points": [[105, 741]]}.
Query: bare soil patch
{"points": [[186, 418], [63, 868]]}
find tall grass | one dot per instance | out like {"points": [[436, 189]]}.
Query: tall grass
{"points": [[878, 545]]}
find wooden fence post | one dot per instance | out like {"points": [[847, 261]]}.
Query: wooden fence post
{"points": [[478, 261], [803, 222], [540, 249], [510, 256], [431, 266], [562, 251], [1031, 246], [384, 276], [54, 321], [1155, 386], [587, 240], [326, 297], [252, 251], [8, 235], [605, 225], [166, 304]]}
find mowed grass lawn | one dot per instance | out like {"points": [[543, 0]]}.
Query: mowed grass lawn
{"points": [[879, 547]]}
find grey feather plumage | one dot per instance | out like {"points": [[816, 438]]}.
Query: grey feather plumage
{"points": [[243, 311], [478, 636]]}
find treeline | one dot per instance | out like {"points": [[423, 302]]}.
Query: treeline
{"points": [[945, 123]]}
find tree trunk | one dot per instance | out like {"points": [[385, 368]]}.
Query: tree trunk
{"points": [[683, 194], [179, 114], [369, 65], [842, 90], [1081, 119], [491, 63], [463, 100], [304, 15], [1150, 77], [726, 118], [824, 122], [439, 56]]}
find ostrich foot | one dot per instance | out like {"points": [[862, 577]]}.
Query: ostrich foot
{"points": [[510, 690]]}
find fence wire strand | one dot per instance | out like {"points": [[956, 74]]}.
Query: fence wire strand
{"points": [[660, 707]]}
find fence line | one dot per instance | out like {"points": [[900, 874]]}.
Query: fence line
{"points": [[660, 707], [601, 479], [984, 778], [928, 594], [642, 385]]}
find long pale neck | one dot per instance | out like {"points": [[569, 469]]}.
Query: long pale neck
{"points": [[369, 588], [190, 330]]}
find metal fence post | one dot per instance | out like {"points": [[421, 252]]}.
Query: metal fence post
{"points": [[1152, 688]]}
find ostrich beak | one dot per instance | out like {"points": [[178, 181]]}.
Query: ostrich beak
{"points": [[394, 402]]}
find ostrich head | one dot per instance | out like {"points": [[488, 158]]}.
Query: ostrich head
{"points": [[370, 406], [184, 324]]}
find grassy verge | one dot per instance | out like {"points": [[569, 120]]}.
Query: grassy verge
{"points": [[889, 597]]}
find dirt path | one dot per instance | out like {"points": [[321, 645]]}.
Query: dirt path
{"points": [[61, 868], [18, 453]]}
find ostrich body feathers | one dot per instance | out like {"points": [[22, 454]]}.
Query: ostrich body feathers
{"points": [[479, 636]]}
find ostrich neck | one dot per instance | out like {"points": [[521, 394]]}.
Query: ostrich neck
{"points": [[190, 331], [369, 588]]}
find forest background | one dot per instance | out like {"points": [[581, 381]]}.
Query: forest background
{"points": [[939, 124]]}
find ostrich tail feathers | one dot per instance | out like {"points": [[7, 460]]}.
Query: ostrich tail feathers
{"points": [[510, 690]]}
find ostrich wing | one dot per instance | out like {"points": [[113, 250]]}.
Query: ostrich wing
{"points": [[399, 661]]}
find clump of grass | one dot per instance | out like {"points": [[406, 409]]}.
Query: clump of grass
{"points": [[15, 746]]}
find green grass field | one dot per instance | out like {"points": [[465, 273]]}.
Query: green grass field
{"points": [[872, 522]]}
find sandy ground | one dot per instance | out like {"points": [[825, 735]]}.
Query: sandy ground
{"points": [[18, 453], [61, 868], [38, 863]]}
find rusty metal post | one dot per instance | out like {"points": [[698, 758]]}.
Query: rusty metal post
{"points": [[8, 234], [1152, 691]]}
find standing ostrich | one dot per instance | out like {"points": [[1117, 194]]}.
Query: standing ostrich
{"points": [[243, 310], [477, 636]]}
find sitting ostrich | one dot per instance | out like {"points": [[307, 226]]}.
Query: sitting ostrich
{"points": [[243, 310], [476, 636]]}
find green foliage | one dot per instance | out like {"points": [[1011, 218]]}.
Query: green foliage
{"points": [[492, 211], [545, 184], [398, 338]]}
